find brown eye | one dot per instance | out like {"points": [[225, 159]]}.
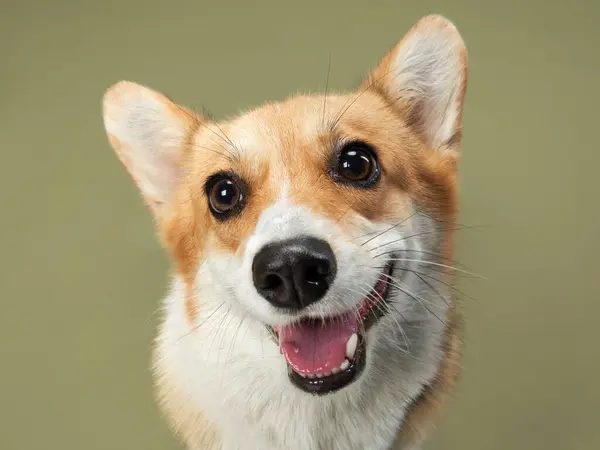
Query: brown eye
{"points": [[357, 164], [224, 195]]}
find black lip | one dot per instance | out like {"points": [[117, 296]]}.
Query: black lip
{"points": [[335, 382]]}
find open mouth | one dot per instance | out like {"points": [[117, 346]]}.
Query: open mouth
{"points": [[324, 356]]}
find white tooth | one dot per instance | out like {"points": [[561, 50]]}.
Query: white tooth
{"points": [[335, 370], [327, 374], [311, 375], [319, 375], [351, 346], [345, 365], [303, 375]]}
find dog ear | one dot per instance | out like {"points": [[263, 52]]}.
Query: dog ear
{"points": [[149, 133], [424, 77]]}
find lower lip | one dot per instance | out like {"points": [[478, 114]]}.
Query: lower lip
{"points": [[332, 383]]}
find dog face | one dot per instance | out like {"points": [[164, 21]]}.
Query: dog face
{"points": [[325, 220]]}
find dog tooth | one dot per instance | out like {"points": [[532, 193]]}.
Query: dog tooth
{"points": [[351, 346], [319, 375], [311, 375], [327, 374], [345, 365], [335, 370]]}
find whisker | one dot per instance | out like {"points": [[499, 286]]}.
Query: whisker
{"points": [[449, 222], [339, 219], [367, 291], [436, 270], [422, 234], [207, 115], [153, 313], [415, 298], [326, 88], [365, 89], [203, 322], [430, 286], [424, 252], [429, 216], [234, 338], [392, 282], [378, 306], [435, 291], [389, 229], [220, 348], [420, 261], [224, 136], [229, 156], [219, 329], [448, 285]]}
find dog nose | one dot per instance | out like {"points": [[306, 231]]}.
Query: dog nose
{"points": [[294, 273]]}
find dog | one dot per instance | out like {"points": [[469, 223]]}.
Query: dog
{"points": [[311, 302]]}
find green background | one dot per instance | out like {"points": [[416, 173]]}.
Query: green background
{"points": [[82, 273]]}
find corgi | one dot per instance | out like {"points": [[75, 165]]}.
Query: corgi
{"points": [[311, 302]]}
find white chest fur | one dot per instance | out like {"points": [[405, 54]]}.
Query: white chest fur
{"points": [[230, 372]]}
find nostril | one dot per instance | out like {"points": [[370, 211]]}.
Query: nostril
{"points": [[315, 274], [324, 268], [272, 282]]}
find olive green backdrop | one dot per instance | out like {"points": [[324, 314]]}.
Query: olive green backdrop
{"points": [[82, 273]]}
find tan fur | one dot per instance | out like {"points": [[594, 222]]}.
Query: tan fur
{"points": [[188, 423], [426, 410], [417, 171], [296, 147], [409, 167]]}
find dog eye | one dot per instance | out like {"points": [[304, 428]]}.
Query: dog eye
{"points": [[224, 196], [357, 164]]}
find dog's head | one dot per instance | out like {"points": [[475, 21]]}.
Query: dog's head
{"points": [[325, 219]]}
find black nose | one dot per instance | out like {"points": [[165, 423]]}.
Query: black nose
{"points": [[294, 273]]}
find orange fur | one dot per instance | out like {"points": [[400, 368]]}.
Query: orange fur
{"points": [[292, 142], [410, 169], [427, 408]]}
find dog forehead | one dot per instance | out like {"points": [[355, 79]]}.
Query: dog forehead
{"points": [[275, 132], [278, 126]]}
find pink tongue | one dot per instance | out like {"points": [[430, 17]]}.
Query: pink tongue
{"points": [[316, 346]]}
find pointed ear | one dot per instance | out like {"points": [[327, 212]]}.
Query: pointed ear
{"points": [[149, 133], [424, 78]]}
